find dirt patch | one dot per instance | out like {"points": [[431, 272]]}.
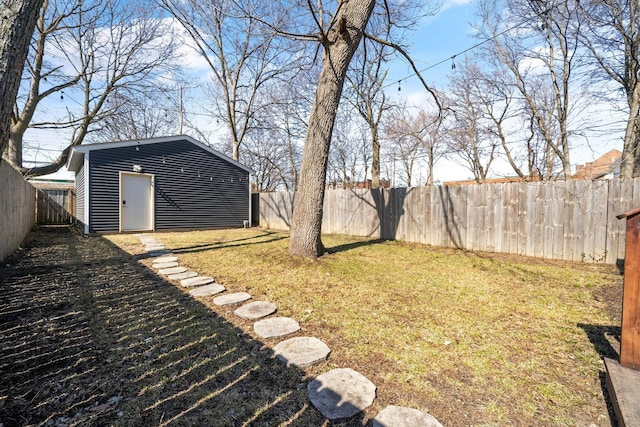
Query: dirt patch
{"points": [[90, 336]]}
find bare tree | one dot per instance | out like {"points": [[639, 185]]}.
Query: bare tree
{"points": [[423, 129], [339, 32], [365, 94], [17, 23], [350, 152], [469, 137], [541, 54], [242, 56], [140, 115], [612, 36], [114, 49]]}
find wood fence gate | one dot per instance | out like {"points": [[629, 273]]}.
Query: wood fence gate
{"points": [[55, 206]]}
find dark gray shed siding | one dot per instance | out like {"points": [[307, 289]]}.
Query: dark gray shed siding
{"points": [[193, 188]]}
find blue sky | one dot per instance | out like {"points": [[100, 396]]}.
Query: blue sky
{"points": [[447, 33]]}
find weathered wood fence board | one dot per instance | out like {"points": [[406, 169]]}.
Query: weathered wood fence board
{"points": [[17, 209], [568, 220], [56, 206]]}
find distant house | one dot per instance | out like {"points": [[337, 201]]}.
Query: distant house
{"points": [[168, 183], [606, 166]]}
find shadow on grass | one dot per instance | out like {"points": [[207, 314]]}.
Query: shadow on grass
{"points": [[90, 336], [354, 245], [602, 336], [265, 237]]}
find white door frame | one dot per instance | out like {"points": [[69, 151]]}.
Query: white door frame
{"points": [[152, 220]]}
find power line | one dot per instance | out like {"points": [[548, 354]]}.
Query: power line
{"points": [[452, 57]]}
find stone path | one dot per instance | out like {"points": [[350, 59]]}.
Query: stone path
{"points": [[337, 394]]}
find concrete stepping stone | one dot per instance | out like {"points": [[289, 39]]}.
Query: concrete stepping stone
{"points": [[400, 416], [207, 290], [182, 276], [160, 265], [275, 327], [341, 393], [301, 351], [165, 259], [159, 253], [172, 270], [256, 310], [196, 281], [231, 298]]}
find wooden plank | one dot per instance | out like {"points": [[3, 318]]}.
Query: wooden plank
{"points": [[523, 217], [630, 335], [601, 196], [490, 216], [568, 219], [514, 216], [579, 218], [614, 208], [547, 224], [558, 209], [623, 385], [626, 204]]}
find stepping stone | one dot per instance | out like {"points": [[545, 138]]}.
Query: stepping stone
{"points": [[231, 298], [159, 253], [159, 265], [182, 276], [400, 416], [207, 290], [275, 327], [165, 259], [196, 281], [172, 270], [157, 247], [255, 310], [301, 351], [341, 393]]}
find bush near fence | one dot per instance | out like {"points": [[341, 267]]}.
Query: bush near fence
{"points": [[564, 220], [17, 209]]}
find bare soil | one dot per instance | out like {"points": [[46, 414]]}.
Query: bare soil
{"points": [[90, 336]]}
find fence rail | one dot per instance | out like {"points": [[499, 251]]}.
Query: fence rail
{"points": [[565, 220]]}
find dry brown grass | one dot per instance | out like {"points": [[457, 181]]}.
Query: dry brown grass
{"points": [[475, 339]]}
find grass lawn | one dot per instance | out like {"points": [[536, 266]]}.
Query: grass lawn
{"points": [[474, 339]]}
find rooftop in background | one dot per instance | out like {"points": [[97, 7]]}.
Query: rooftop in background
{"points": [[604, 167]]}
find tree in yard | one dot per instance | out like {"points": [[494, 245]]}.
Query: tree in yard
{"points": [[365, 94], [420, 129], [339, 34], [468, 128], [242, 56], [114, 50], [612, 36], [350, 152], [17, 23], [540, 53]]}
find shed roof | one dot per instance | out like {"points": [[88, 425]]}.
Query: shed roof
{"points": [[77, 153]]}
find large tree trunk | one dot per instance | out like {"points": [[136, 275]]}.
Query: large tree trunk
{"points": [[340, 43], [17, 22]]}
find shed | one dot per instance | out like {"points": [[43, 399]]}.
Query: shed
{"points": [[167, 183]]}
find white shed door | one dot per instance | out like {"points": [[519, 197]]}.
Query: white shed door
{"points": [[136, 202]]}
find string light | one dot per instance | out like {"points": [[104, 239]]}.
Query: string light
{"points": [[462, 52]]}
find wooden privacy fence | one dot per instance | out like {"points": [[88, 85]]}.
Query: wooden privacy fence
{"points": [[565, 220], [17, 209], [55, 206]]}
